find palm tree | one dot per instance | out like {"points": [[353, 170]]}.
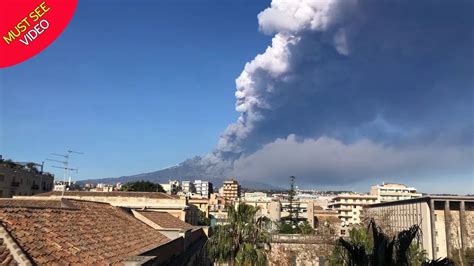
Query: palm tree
{"points": [[385, 250], [243, 240]]}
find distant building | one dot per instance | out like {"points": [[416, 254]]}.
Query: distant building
{"points": [[391, 191], [188, 187], [267, 206], [447, 222], [349, 207], [326, 222], [171, 187], [203, 188], [231, 190], [256, 196], [23, 179]]}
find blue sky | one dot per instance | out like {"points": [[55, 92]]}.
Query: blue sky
{"points": [[135, 85], [341, 94]]}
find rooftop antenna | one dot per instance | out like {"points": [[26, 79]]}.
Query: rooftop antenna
{"points": [[65, 166]]}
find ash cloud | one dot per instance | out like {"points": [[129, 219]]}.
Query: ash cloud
{"points": [[385, 80]]}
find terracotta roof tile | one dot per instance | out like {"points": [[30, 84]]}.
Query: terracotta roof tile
{"points": [[89, 233], [6, 257], [166, 220]]}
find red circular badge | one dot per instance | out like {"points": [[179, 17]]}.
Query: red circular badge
{"points": [[29, 26]]}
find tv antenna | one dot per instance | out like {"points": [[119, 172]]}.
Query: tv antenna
{"points": [[65, 166]]}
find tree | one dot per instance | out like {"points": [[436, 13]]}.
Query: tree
{"points": [[203, 219], [142, 186], [305, 228], [374, 247], [243, 240]]}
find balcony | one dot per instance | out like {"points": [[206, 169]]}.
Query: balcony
{"points": [[34, 187], [15, 184]]}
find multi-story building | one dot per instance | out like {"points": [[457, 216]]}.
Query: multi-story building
{"points": [[447, 222], [349, 207], [203, 188], [23, 179], [188, 187], [391, 191], [231, 190], [171, 187]]}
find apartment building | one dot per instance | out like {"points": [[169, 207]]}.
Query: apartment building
{"points": [[171, 187], [188, 187], [23, 179], [349, 207], [203, 188], [392, 191], [231, 190], [447, 222]]}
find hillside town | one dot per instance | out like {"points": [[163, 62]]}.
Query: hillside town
{"points": [[43, 221]]}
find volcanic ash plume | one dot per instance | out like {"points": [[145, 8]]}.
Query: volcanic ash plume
{"points": [[379, 79]]}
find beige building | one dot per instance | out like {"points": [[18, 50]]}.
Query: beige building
{"points": [[17, 179], [447, 222], [231, 190], [267, 206], [154, 201], [391, 191], [349, 207]]}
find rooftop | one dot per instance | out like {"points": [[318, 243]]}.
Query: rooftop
{"points": [[166, 220], [424, 199], [355, 196], [154, 195], [6, 257], [75, 231]]}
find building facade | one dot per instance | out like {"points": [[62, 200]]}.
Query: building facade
{"points": [[19, 180], [188, 187], [391, 191], [203, 188], [349, 208], [447, 222], [231, 190]]}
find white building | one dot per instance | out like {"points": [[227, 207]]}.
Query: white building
{"points": [[391, 192], [349, 207], [256, 196], [203, 188], [188, 187], [171, 187]]}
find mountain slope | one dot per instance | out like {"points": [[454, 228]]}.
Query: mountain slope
{"points": [[188, 170]]}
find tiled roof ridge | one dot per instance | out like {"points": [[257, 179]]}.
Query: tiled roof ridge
{"points": [[17, 253], [63, 204]]}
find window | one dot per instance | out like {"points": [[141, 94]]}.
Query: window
{"points": [[2, 177], [436, 217], [343, 232], [436, 233]]}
